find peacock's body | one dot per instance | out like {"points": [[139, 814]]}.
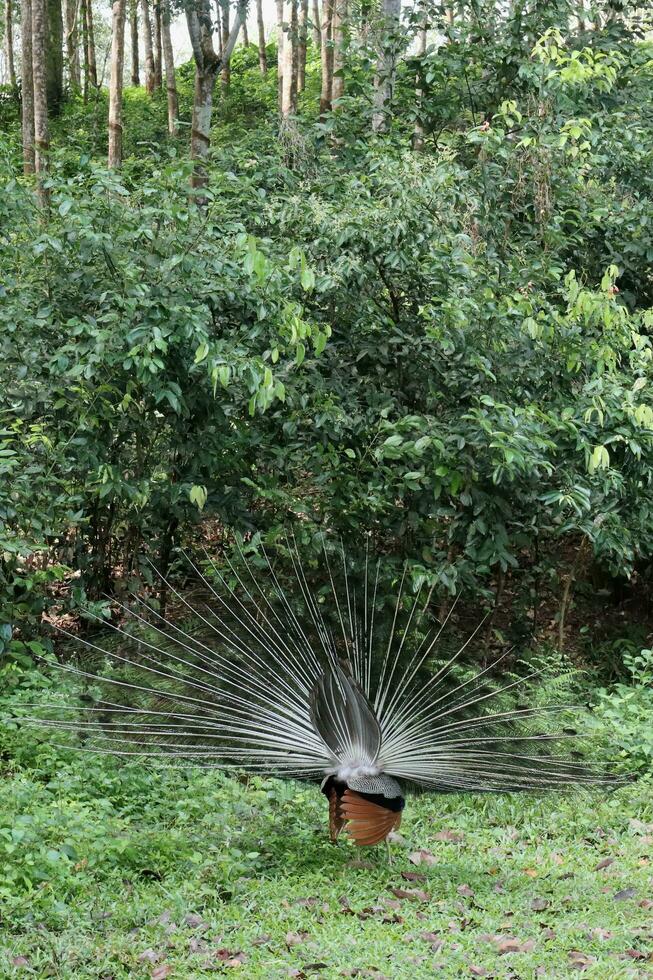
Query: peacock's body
{"points": [[324, 688]]}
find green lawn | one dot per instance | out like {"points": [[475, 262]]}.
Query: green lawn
{"points": [[115, 871]]}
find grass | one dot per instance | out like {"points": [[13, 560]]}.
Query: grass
{"points": [[113, 871]]}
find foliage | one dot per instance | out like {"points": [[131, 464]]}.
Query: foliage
{"points": [[449, 349], [628, 708], [140, 339]]}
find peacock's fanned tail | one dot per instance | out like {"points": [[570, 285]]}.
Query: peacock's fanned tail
{"points": [[308, 683]]}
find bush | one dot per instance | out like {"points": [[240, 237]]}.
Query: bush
{"points": [[627, 708]]}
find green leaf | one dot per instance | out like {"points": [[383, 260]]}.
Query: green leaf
{"points": [[198, 495], [201, 352]]}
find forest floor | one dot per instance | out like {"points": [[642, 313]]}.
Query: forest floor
{"points": [[112, 870]]}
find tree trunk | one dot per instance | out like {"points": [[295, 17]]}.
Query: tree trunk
{"points": [[169, 61], [289, 70], [90, 44], [9, 42], [201, 128], [327, 56], [207, 67], [158, 45], [280, 40], [115, 82], [339, 36], [148, 47], [302, 39], [41, 133], [133, 31], [84, 29], [384, 81], [262, 53], [72, 45], [27, 86], [218, 24], [226, 71], [317, 33], [54, 55], [418, 134], [245, 34]]}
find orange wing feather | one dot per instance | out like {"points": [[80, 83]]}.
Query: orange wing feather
{"points": [[367, 823]]}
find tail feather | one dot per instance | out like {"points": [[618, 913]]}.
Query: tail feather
{"points": [[305, 682]]}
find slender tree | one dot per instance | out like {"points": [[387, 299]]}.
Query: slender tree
{"points": [[302, 40], [340, 12], [169, 62], [289, 70], [54, 55], [72, 44], [207, 66], [39, 66], [84, 29], [280, 40], [133, 32], [118, 12], [418, 133], [157, 44], [317, 33], [245, 34], [27, 85], [148, 47], [9, 42], [326, 53], [226, 70], [90, 45], [262, 53], [218, 24], [384, 81]]}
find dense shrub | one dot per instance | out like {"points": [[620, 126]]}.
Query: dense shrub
{"points": [[448, 348]]}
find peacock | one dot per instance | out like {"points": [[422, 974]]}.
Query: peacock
{"points": [[307, 673]]}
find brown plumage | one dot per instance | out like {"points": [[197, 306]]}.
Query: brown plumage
{"points": [[365, 817], [367, 822], [336, 819]]}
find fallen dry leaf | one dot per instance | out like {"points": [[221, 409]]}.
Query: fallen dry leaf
{"points": [[295, 938], [605, 863], [531, 872], [416, 894], [636, 954], [598, 933], [579, 961], [453, 836], [512, 945], [465, 891], [195, 922], [161, 972], [639, 827], [539, 904], [422, 857], [149, 956], [478, 971], [413, 876], [624, 894]]}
